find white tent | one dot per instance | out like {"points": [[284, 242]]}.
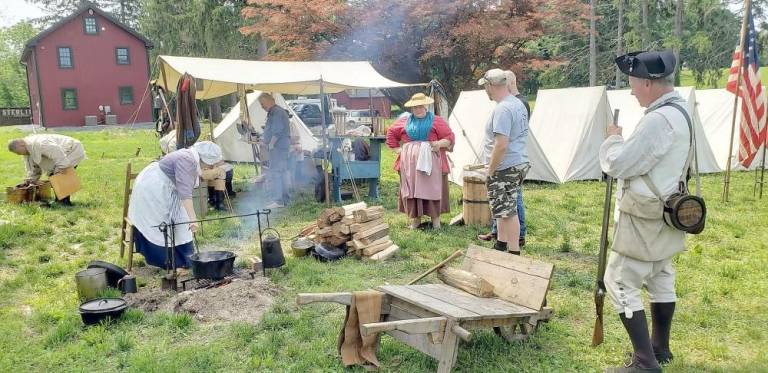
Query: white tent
{"points": [[234, 148], [630, 113], [218, 77], [715, 108], [468, 120], [570, 124]]}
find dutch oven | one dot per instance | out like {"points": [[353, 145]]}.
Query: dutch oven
{"points": [[213, 265], [94, 311]]}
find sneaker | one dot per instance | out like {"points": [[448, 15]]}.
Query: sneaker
{"points": [[274, 205], [486, 237]]}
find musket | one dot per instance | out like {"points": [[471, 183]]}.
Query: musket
{"points": [[597, 333]]}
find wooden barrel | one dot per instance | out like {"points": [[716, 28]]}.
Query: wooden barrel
{"points": [[43, 191], [476, 208], [16, 195]]}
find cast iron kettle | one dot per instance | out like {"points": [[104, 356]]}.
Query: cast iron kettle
{"points": [[271, 251]]}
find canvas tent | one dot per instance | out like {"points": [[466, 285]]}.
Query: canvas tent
{"points": [[715, 108], [234, 148], [570, 124], [630, 113], [218, 77], [468, 120]]}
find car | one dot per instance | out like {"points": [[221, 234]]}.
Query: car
{"points": [[309, 113], [359, 117]]}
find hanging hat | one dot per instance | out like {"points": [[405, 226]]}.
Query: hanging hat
{"points": [[419, 99], [647, 65], [493, 77], [209, 152]]}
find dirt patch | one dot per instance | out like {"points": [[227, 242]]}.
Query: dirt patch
{"points": [[244, 299]]}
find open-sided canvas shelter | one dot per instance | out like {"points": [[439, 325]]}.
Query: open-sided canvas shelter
{"points": [[630, 113], [569, 125], [468, 120]]}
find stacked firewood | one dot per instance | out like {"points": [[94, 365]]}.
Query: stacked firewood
{"points": [[360, 227]]}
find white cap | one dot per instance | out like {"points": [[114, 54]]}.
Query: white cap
{"points": [[209, 152], [493, 77]]}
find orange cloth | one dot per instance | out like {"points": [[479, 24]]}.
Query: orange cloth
{"points": [[353, 347]]}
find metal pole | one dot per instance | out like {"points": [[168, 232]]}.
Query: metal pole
{"points": [[762, 166], [727, 177]]}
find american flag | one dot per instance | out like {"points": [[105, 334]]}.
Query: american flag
{"points": [[752, 131]]}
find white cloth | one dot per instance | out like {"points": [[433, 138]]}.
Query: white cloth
{"points": [[424, 163], [659, 148], [154, 200], [625, 277], [168, 142]]}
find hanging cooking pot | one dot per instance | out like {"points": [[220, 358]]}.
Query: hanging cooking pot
{"points": [[271, 251], [213, 265]]}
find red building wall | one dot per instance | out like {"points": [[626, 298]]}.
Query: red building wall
{"points": [[95, 73], [382, 104]]}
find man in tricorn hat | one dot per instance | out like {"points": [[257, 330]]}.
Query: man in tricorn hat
{"points": [[654, 157]]}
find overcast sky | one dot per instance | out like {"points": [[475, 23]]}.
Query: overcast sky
{"points": [[13, 11]]}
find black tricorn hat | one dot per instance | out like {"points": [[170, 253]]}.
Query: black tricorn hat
{"points": [[647, 65]]}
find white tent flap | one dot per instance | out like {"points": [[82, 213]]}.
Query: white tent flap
{"points": [[467, 121]]}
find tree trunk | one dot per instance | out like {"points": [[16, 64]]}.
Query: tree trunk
{"points": [[644, 25], [678, 39], [592, 45], [619, 41], [262, 50]]}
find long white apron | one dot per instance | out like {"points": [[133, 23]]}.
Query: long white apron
{"points": [[154, 200]]}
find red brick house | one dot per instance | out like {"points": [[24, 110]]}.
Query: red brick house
{"points": [[358, 99], [86, 60]]}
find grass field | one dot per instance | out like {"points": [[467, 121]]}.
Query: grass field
{"points": [[720, 324]]}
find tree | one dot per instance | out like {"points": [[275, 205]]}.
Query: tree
{"points": [[13, 80], [454, 41], [592, 44], [619, 40], [127, 11]]}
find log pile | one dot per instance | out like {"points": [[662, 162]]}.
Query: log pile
{"points": [[360, 227]]}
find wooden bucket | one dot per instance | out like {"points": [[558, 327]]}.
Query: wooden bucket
{"points": [[16, 195], [475, 202], [43, 191]]}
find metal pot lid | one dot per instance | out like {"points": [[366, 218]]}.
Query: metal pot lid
{"points": [[303, 243], [91, 272], [99, 305]]}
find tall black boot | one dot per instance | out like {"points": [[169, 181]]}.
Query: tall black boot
{"points": [[500, 245], [642, 356], [218, 202], [661, 315], [211, 196]]}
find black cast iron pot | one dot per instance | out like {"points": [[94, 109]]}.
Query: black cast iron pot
{"points": [[213, 265], [93, 311]]}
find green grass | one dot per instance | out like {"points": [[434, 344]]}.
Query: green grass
{"points": [[687, 79], [720, 323]]}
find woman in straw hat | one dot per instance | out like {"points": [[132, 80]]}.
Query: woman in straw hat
{"points": [[421, 139]]}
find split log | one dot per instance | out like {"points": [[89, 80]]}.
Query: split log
{"points": [[376, 247], [324, 232], [369, 236], [467, 281], [307, 230], [371, 213], [349, 209], [385, 254], [340, 229], [457, 220], [360, 227], [333, 240], [348, 220], [359, 245]]}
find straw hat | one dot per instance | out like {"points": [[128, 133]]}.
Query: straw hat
{"points": [[419, 99]]}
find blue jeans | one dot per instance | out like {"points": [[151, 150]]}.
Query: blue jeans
{"points": [[520, 215]]}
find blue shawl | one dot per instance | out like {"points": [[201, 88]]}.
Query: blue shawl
{"points": [[418, 128]]}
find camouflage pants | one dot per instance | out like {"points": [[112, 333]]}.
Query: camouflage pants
{"points": [[503, 188]]}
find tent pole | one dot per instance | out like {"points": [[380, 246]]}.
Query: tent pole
{"points": [[325, 145], [727, 177], [762, 166], [165, 83]]}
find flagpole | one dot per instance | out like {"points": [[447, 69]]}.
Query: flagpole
{"points": [[762, 167], [727, 177]]}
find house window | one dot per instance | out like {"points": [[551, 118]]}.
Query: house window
{"points": [[69, 98], [89, 25], [122, 56], [65, 57], [126, 95]]}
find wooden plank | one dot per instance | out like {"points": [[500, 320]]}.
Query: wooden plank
{"points": [[413, 326], [359, 245], [384, 254], [438, 306], [371, 213], [372, 235], [467, 281], [377, 247], [449, 350], [420, 342], [510, 285], [370, 231], [514, 262], [457, 220], [487, 307], [350, 209], [360, 227], [492, 323], [307, 298]]}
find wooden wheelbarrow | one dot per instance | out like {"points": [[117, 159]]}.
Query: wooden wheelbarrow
{"points": [[434, 318]]}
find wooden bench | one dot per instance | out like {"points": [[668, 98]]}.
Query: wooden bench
{"points": [[434, 318]]}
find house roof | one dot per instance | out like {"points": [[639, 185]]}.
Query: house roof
{"points": [[83, 8]]}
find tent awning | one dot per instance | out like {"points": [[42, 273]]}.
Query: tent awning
{"points": [[219, 77]]}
